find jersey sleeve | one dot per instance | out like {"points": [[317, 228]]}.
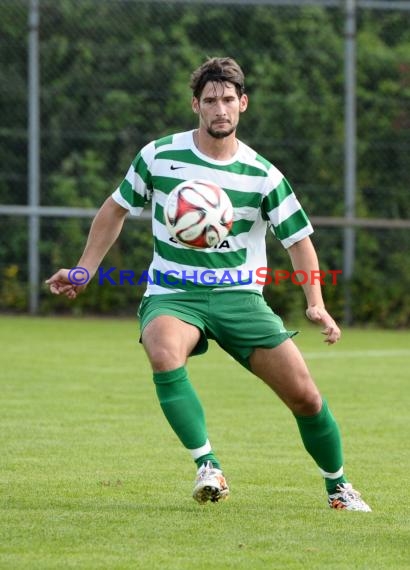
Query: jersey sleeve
{"points": [[288, 221], [136, 188]]}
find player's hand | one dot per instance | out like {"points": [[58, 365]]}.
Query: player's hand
{"points": [[320, 315], [68, 282]]}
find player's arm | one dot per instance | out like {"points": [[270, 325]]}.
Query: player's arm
{"points": [[304, 259], [104, 231]]}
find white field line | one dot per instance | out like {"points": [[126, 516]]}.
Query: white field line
{"points": [[357, 354]]}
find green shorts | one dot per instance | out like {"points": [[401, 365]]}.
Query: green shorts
{"points": [[239, 321]]}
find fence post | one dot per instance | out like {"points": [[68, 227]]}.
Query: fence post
{"points": [[33, 155], [349, 233]]}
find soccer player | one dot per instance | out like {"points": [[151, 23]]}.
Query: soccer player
{"points": [[177, 321]]}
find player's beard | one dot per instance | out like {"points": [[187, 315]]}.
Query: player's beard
{"points": [[218, 134]]}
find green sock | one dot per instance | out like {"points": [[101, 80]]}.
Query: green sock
{"points": [[321, 438], [208, 457], [184, 412]]}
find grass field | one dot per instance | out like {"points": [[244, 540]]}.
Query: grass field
{"points": [[93, 478]]}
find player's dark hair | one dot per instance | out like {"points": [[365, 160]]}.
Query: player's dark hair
{"points": [[219, 69]]}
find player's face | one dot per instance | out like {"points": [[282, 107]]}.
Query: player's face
{"points": [[219, 108]]}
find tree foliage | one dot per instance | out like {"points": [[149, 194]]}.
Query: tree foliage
{"points": [[115, 75]]}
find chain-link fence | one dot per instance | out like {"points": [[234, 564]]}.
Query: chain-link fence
{"points": [[114, 75]]}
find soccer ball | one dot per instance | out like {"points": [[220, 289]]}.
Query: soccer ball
{"points": [[198, 214]]}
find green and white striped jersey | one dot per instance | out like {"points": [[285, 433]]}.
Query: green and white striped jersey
{"points": [[261, 198]]}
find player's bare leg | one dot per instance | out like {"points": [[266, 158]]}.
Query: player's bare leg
{"points": [[283, 369], [168, 342]]}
